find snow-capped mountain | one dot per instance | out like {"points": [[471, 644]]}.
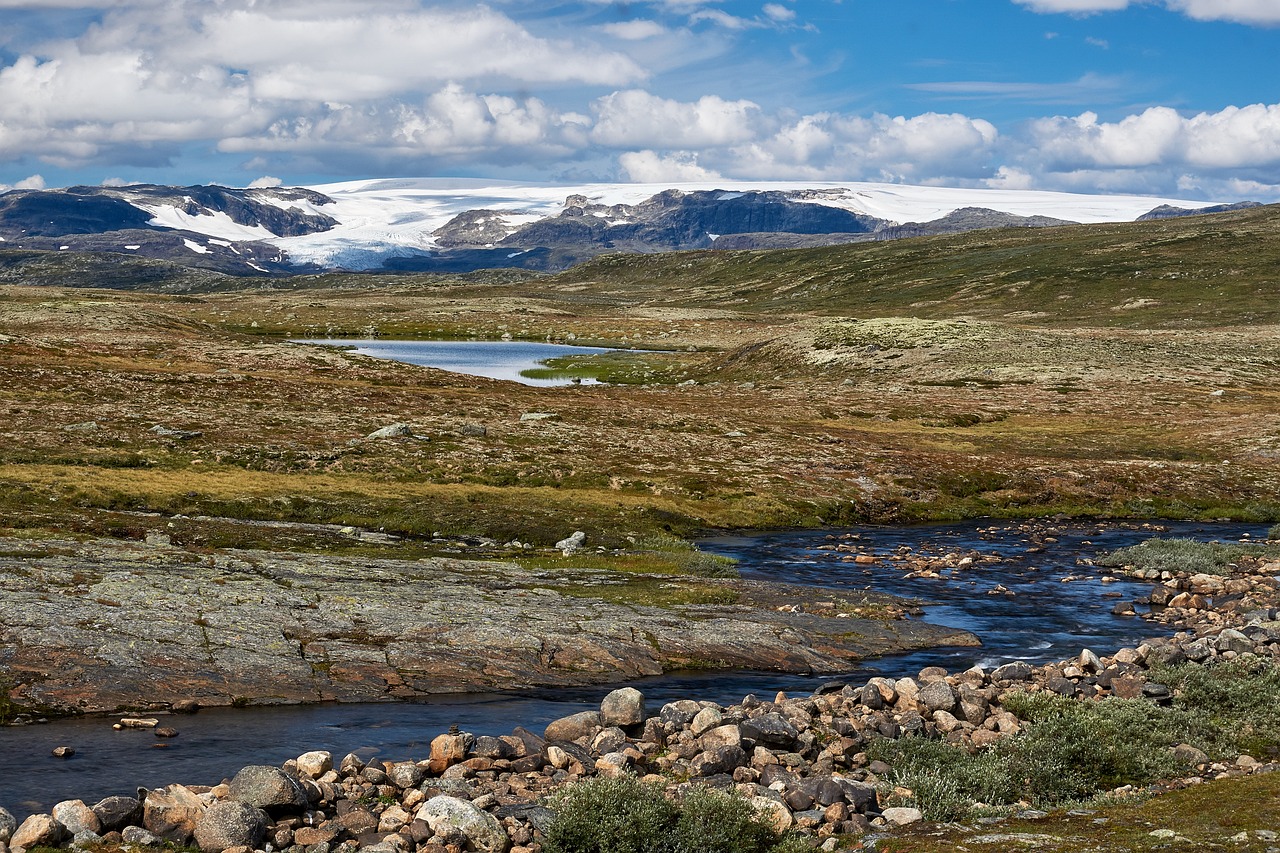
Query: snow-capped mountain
{"points": [[454, 225]]}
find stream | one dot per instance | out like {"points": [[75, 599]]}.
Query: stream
{"points": [[1044, 619]]}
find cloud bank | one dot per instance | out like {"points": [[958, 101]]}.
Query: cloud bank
{"points": [[392, 87]]}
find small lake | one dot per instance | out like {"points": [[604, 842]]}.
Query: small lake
{"points": [[1056, 605], [514, 361]]}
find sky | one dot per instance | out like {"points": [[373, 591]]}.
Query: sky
{"points": [[1165, 97]]}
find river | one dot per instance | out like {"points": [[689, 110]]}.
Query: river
{"points": [[1044, 619]]}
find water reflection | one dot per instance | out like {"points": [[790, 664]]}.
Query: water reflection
{"points": [[508, 360]]}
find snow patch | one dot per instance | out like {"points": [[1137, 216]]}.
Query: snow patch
{"points": [[216, 224], [133, 248], [195, 247]]}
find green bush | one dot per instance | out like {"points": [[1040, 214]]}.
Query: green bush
{"points": [[1274, 533], [625, 815], [1180, 555], [1232, 706]]}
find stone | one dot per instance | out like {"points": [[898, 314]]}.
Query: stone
{"points": [[937, 696], [115, 813], [528, 417], [774, 813], [1016, 671], [623, 707], [172, 813], [393, 819], [39, 830], [407, 774], [706, 720], [76, 817], [64, 751], [901, 816], [613, 765], [1089, 662], [570, 544], [482, 830], [679, 713], [583, 724], [142, 837], [315, 764], [1189, 755], [721, 736], [714, 762], [771, 729], [230, 824], [268, 788], [1231, 640], [397, 430], [165, 732], [7, 825]]}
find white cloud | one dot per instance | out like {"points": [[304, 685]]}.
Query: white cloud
{"points": [[638, 30], [648, 167], [778, 12], [265, 182], [1256, 12], [1263, 12], [34, 182], [636, 119]]}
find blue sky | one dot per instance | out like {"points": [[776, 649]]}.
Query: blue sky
{"points": [[1170, 97]]}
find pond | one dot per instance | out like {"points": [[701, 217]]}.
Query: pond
{"points": [[514, 361], [1053, 604]]}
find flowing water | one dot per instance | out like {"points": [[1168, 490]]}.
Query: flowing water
{"points": [[509, 360], [1044, 619]]}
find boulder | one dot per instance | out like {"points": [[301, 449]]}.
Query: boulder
{"points": [[76, 817], [902, 816], [115, 813], [7, 825], [623, 707], [1016, 671], [398, 430], [705, 720], [937, 696], [172, 813], [39, 830], [571, 544], [138, 836], [583, 724], [771, 729], [679, 713], [315, 764], [445, 814], [230, 824], [721, 736], [447, 750], [407, 774], [268, 788], [724, 759], [774, 813]]}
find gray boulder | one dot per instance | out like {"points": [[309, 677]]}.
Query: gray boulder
{"points": [[572, 543], [398, 430], [446, 815], [1016, 671], [268, 788], [937, 696], [115, 813], [8, 823], [231, 824], [770, 730], [76, 817], [623, 707], [141, 837], [680, 712]]}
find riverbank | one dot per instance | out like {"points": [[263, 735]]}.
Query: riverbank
{"points": [[820, 765], [105, 625]]}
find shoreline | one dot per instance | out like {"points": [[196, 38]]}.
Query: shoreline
{"points": [[801, 761]]}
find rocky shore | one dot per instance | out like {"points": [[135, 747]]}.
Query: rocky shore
{"points": [[802, 762], [106, 625]]}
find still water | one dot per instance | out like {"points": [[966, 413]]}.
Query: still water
{"points": [[509, 360], [1045, 619]]}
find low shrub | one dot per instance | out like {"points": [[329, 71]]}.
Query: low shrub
{"points": [[625, 815], [1274, 533], [1180, 555], [1233, 706]]}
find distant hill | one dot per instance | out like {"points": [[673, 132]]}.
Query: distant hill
{"points": [[461, 226]]}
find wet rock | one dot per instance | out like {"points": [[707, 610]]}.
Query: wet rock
{"points": [[481, 829], [63, 751], [230, 824], [268, 788], [623, 707]]}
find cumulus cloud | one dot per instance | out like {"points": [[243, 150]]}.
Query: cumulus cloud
{"points": [[635, 118], [649, 167], [637, 30], [265, 182]]}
